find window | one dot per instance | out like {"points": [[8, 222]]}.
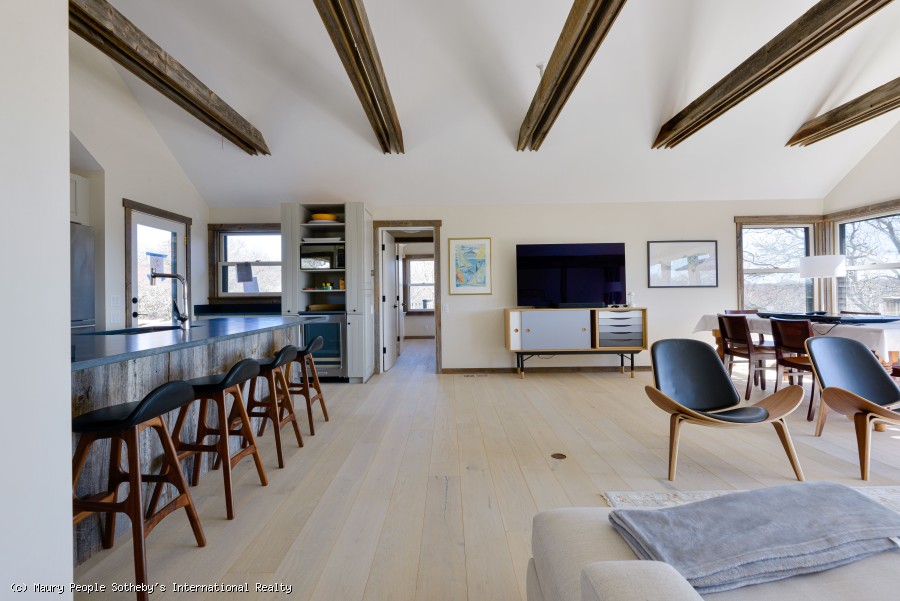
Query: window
{"points": [[770, 266], [872, 248], [420, 284], [247, 259]]}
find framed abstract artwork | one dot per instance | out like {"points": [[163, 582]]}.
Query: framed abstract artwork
{"points": [[470, 265], [682, 264]]}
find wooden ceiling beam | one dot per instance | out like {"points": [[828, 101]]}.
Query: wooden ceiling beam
{"points": [[821, 24], [868, 106], [348, 26], [585, 29], [109, 31]]}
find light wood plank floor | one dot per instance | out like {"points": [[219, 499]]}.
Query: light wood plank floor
{"points": [[423, 487]]}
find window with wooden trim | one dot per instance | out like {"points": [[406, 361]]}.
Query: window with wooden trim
{"points": [[872, 248], [769, 267], [419, 279], [245, 260]]}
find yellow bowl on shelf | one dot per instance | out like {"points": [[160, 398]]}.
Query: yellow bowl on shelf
{"points": [[323, 217]]}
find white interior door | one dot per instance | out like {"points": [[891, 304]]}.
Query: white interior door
{"points": [[390, 305], [158, 243]]}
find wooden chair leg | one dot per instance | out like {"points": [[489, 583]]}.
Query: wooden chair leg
{"points": [[823, 412], [811, 412], [202, 433], [785, 436], [779, 375], [287, 405], [247, 432], [223, 452], [863, 423], [254, 402], [675, 422], [318, 385], [272, 411], [176, 477], [135, 506], [750, 380]]}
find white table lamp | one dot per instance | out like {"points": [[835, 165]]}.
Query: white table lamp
{"points": [[823, 266]]}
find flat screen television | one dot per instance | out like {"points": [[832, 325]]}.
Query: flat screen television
{"points": [[570, 275]]}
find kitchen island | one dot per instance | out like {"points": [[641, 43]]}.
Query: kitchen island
{"points": [[110, 368]]}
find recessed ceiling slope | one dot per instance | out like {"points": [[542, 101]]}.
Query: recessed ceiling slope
{"points": [[348, 27], [585, 29], [817, 27], [117, 37], [859, 110]]}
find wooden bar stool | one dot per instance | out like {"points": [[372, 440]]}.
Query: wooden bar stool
{"points": [[278, 407], [216, 388], [124, 423], [310, 377]]}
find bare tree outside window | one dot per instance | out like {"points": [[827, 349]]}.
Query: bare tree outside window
{"points": [[262, 251], [421, 284], [771, 258], [872, 248]]}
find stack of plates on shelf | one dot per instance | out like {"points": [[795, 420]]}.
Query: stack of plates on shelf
{"points": [[335, 239]]}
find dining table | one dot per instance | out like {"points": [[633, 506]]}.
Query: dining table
{"points": [[883, 338]]}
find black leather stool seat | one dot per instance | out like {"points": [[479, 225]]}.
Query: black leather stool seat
{"points": [[281, 358], [315, 344], [163, 399], [741, 415], [240, 372]]}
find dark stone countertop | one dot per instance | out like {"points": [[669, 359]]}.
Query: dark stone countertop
{"points": [[93, 350]]}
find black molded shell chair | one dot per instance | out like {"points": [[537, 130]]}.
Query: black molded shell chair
{"points": [[124, 423], [216, 388], [278, 406], [693, 386], [854, 383], [309, 380]]}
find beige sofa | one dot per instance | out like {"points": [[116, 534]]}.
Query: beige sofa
{"points": [[578, 556]]}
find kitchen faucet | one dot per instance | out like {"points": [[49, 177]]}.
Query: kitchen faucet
{"points": [[183, 318]]}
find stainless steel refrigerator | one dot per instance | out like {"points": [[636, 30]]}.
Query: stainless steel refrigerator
{"points": [[81, 270]]}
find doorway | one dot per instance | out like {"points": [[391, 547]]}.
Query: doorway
{"points": [[407, 288], [155, 241]]}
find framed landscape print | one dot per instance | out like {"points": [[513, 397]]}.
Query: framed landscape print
{"points": [[682, 264], [470, 265]]}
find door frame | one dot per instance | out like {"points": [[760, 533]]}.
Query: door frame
{"points": [[131, 206], [435, 226]]}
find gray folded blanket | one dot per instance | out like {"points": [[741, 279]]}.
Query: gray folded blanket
{"points": [[761, 535]]}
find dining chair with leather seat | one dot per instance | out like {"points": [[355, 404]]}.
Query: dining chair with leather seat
{"points": [[277, 407], [309, 380], [737, 342], [122, 424], [692, 385], [789, 338], [855, 384], [213, 390]]}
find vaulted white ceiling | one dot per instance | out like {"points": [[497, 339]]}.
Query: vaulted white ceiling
{"points": [[462, 75]]}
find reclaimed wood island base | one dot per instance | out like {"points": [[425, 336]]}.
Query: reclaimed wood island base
{"points": [[108, 369]]}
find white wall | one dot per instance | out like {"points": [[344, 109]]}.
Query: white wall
{"points": [[246, 215], [472, 326], [874, 179], [418, 325], [36, 545], [137, 165]]}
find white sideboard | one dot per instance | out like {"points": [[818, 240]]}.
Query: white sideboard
{"points": [[598, 330]]}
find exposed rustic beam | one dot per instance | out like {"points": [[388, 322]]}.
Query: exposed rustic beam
{"points": [[117, 37], [868, 106], [348, 27], [824, 22], [586, 26]]}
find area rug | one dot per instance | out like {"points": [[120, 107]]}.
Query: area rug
{"points": [[888, 496]]}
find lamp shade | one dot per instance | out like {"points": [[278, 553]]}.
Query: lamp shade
{"points": [[823, 266]]}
